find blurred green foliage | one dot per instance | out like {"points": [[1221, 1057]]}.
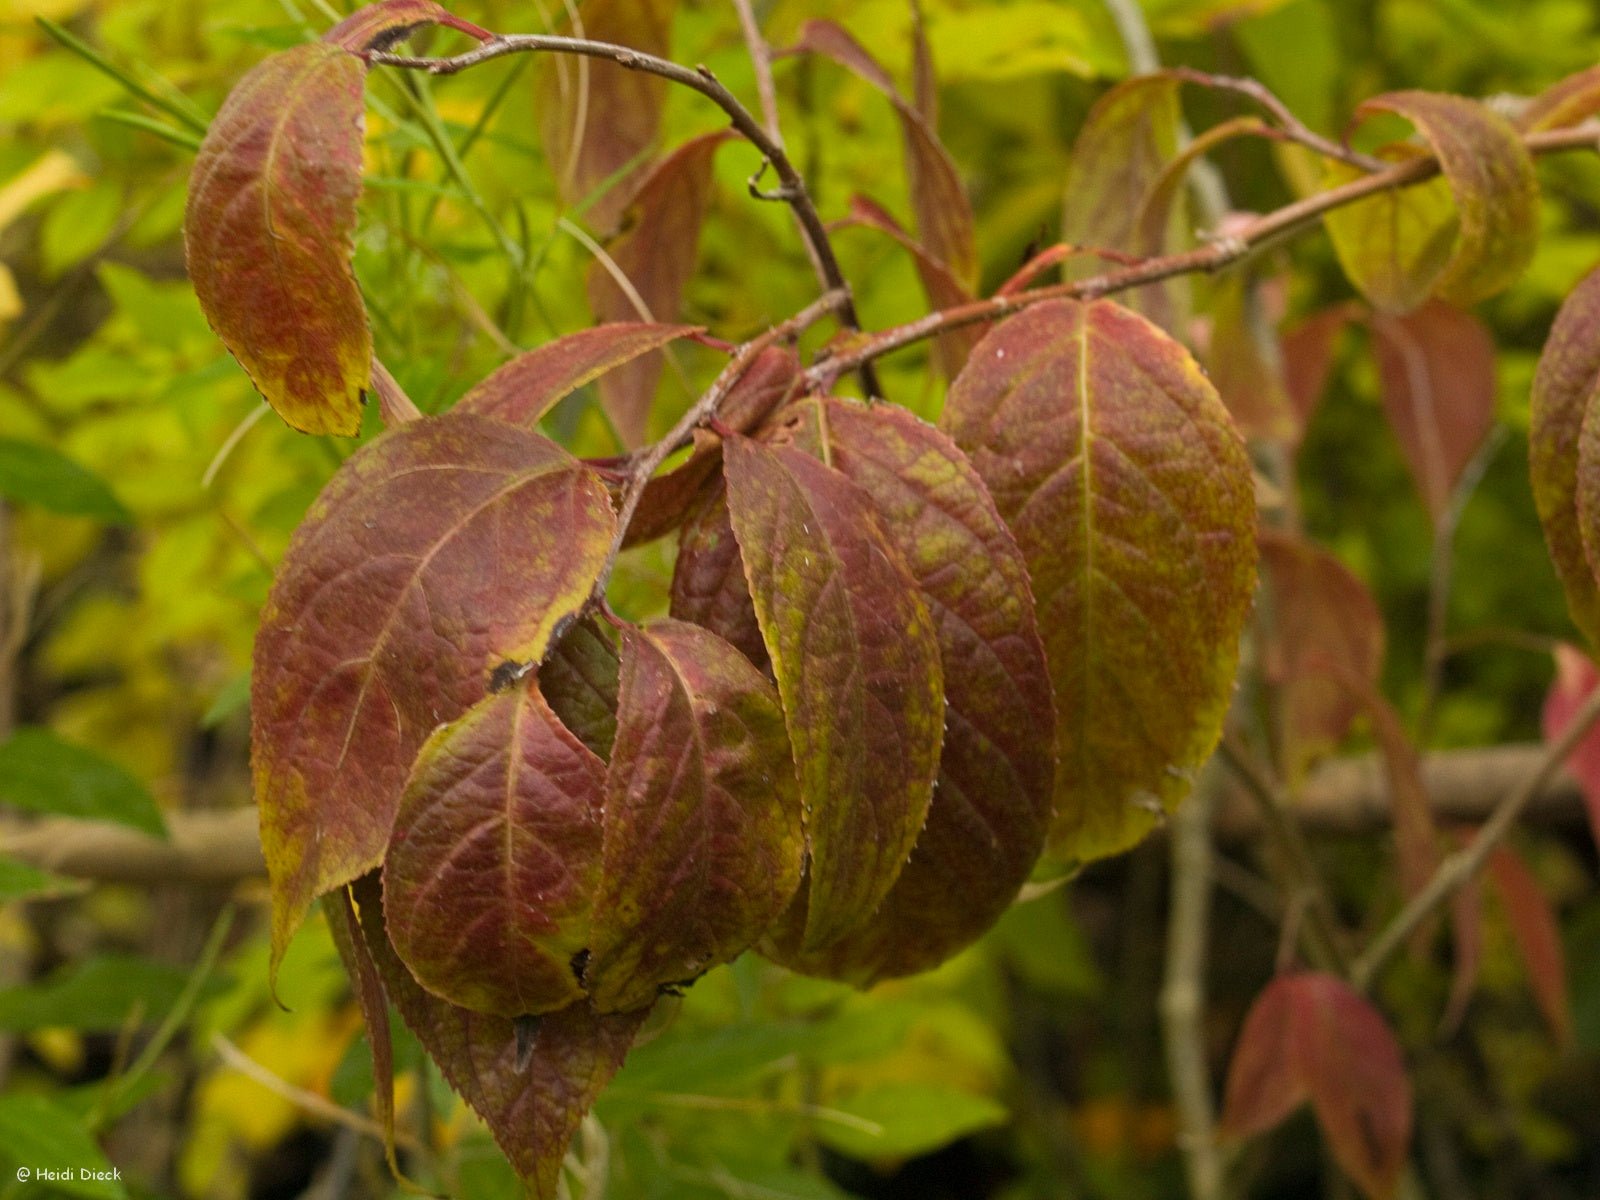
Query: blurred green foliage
{"points": [[147, 503]]}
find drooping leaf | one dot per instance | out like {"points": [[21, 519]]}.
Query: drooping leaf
{"points": [[708, 581], [528, 386], [1308, 353], [269, 234], [1309, 1036], [1563, 104], [41, 773], [1404, 245], [377, 27], [344, 926], [1246, 361], [1127, 488], [439, 551], [671, 498], [939, 283], [33, 473], [944, 214], [1123, 146], [495, 856], [599, 119], [1564, 388], [1437, 376], [856, 658], [1537, 936], [656, 252], [533, 1107], [991, 803], [578, 679], [1322, 617], [703, 843], [1575, 679]]}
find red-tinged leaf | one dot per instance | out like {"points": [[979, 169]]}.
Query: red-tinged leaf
{"points": [[377, 27], [530, 385], [669, 499], [708, 582], [579, 681], [991, 803], [1564, 388], [1496, 227], [944, 214], [1310, 1036], [703, 842], [1436, 370], [1320, 614], [856, 658], [1127, 487], [495, 857], [532, 1107], [269, 234], [371, 998], [1537, 936], [1466, 923], [436, 553], [1246, 362], [1573, 99], [656, 253], [941, 286], [1308, 354], [1575, 679], [599, 120], [1123, 146]]}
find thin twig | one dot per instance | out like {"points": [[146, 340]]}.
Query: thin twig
{"points": [[701, 411], [698, 79], [1461, 866], [1289, 125], [1215, 255]]}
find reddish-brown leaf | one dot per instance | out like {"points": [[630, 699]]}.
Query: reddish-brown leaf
{"points": [[1537, 936], [703, 841], [1308, 353], [991, 803], [269, 234], [1496, 212], [1310, 1036], [856, 658], [1564, 389], [944, 214], [1575, 679], [345, 928], [1565, 103], [1122, 148], [495, 857], [598, 119], [1128, 490], [656, 253], [436, 553], [1247, 362], [530, 385], [708, 582], [1436, 368], [1321, 614], [377, 27], [940, 285], [532, 1107]]}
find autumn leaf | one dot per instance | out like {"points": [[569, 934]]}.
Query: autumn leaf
{"points": [[269, 234], [1575, 679], [708, 581], [1127, 488], [395, 604]]}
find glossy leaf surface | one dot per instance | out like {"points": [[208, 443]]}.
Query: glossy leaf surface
{"points": [[1309, 1036], [532, 1108], [530, 385], [991, 802], [856, 657], [269, 234], [494, 858], [703, 841], [1127, 488], [394, 605], [1559, 454]]}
